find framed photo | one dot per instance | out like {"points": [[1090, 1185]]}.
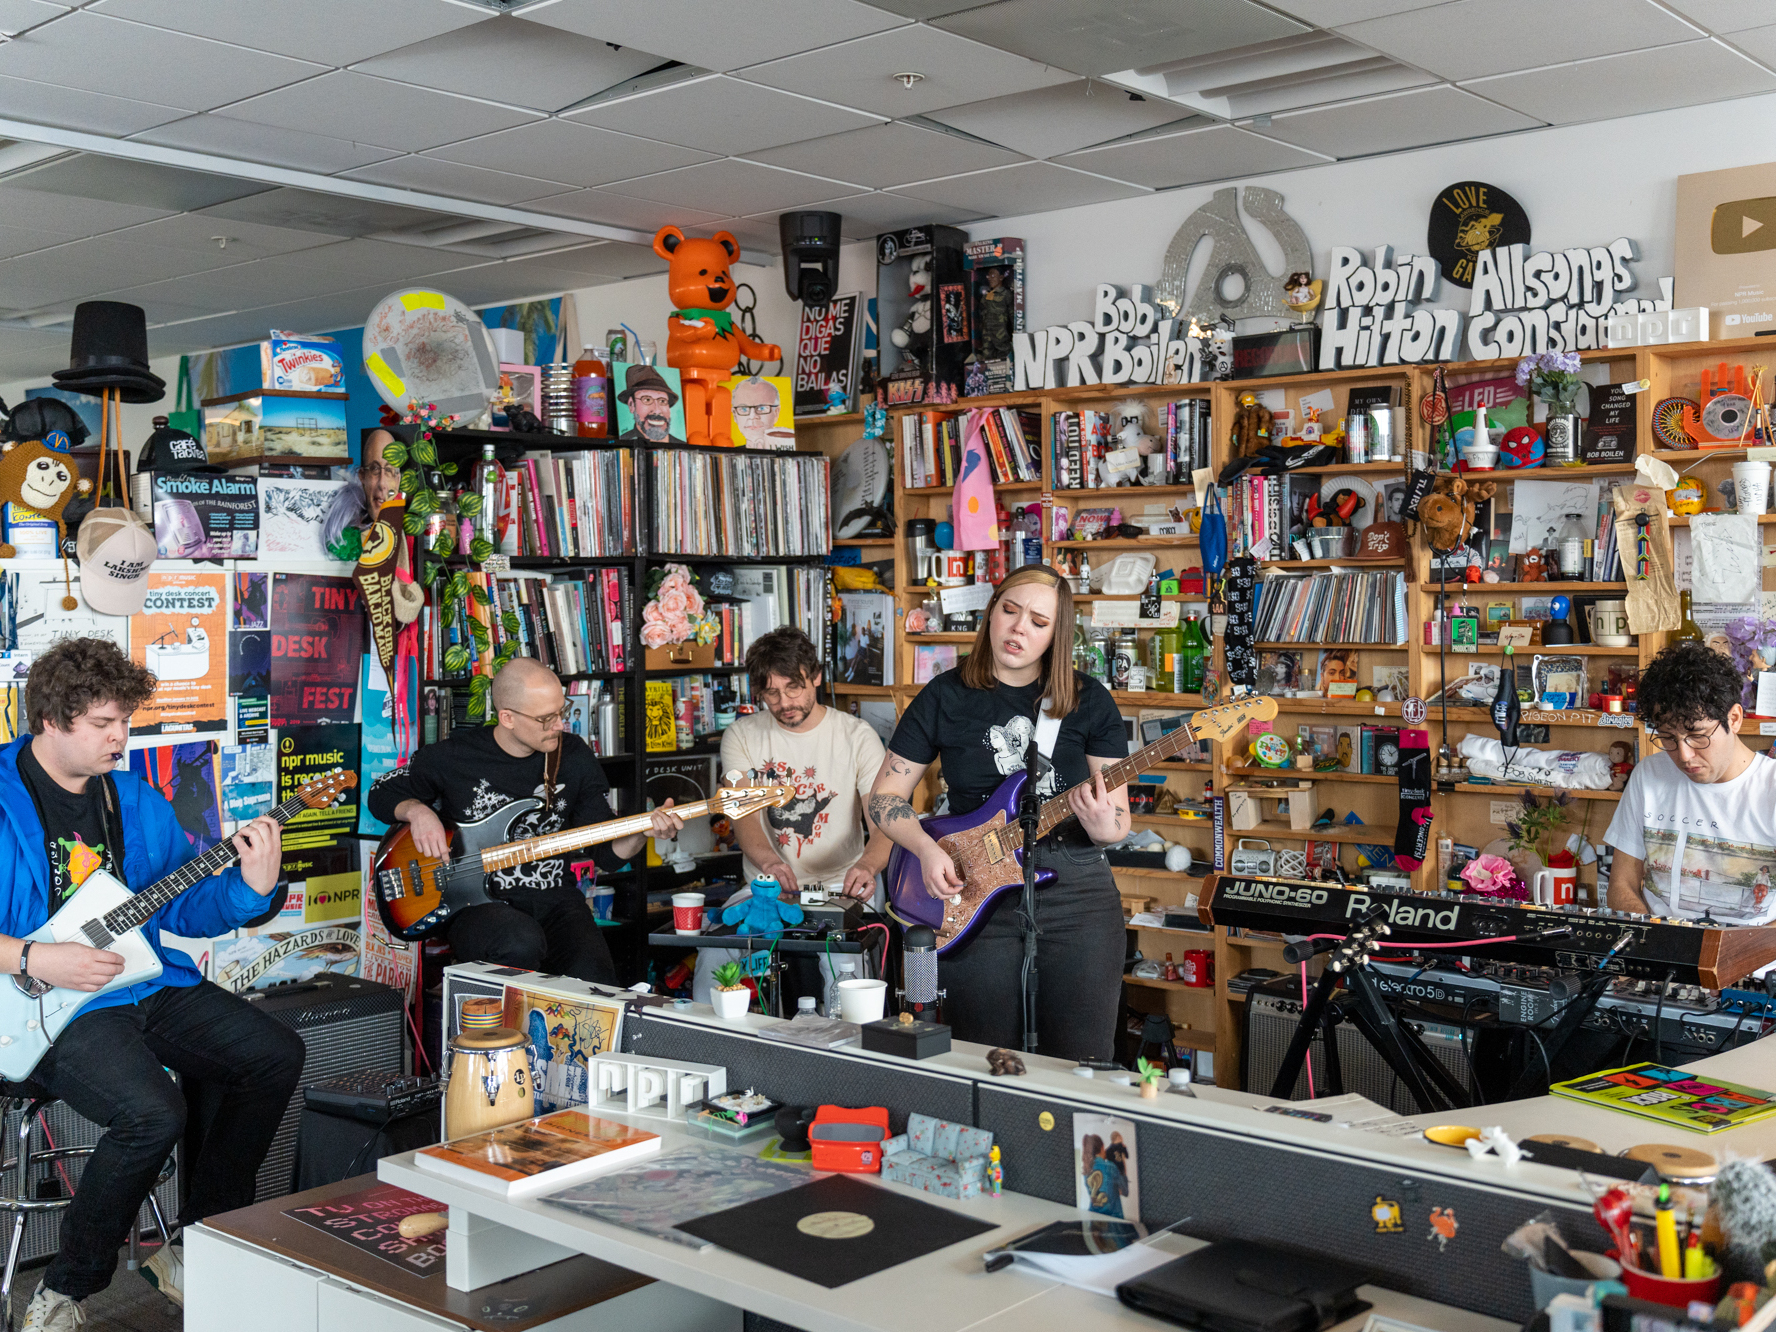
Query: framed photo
{"points": [[519, 386], [952, 302]]}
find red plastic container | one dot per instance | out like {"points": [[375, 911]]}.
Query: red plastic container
{"points": [[1664, 1290]]}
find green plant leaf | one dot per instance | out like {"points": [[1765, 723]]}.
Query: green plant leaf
{"points": [[505, 654], [469, 505], [410, 481], [509, 622], [425, 452], [483, 636], [480, 549], [423, 502], [456, 658], [413, 523], [481, 595], [395, 454], [479, 685], [449, 469], [444, 545]]}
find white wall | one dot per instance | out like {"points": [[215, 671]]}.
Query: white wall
{"points": [[138, 418]]}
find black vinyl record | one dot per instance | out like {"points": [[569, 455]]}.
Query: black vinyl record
{"points": [[1468, 217]]}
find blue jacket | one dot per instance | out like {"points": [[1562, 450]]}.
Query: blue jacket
{"points": [[154, 845]]}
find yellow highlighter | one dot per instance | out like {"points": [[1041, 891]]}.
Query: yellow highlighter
{"points": [[1665, 1228]]}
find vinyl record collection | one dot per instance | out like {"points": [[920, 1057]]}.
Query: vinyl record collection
{"points": [[578, 505], [731, 501], [1333, 606]]}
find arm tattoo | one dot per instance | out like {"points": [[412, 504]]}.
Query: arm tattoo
{"points": [[885, 809], [898, 766]]}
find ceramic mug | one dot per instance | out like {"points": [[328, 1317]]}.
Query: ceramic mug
{"points": [[1554, 887], [1609, 623]]}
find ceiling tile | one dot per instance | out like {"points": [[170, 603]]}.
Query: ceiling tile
{"points": [[363, 109], [343, 309], [161, 307], [743, 186], [1758, 43], [1627, 85], [526, 63], [1220, 152], [81, 268], [861, 72], [271, 145], [99, 54], [571, 153], [1331, 13], [1118, 34], [17, 15], [22, 240], [76, 109], [246, 241], [69, 217], [1472, 38], [722, 115], [866, 216], [456, 181], [333, 214], [709, 33], [1401, 120], [333, 32], [618, 260], [520, 279], [1725, 15], [86, 176], [245, 286], [349, 263], [32, 354], [891, 154], [1051, 121], [1028, 187], [619, 210], [929, 9]]}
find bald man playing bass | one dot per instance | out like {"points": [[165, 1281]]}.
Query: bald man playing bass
{"points": [[541, 920]]}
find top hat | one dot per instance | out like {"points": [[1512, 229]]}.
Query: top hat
{"points": [[109, 350], [640, 377]]}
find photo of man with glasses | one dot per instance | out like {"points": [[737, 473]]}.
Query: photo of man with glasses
{"points": [[1695, 832], [756, 406], [649, 400], [540, 919]]}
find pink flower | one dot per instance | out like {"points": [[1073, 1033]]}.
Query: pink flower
{"points": [[655, 635], [673, 601], [695, 601]]}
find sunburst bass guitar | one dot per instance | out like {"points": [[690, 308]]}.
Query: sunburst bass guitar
{"points": [[417, 894], [104, 913], [987, 844]]}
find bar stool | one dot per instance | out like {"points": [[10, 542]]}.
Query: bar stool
{"points": [[17, 1199]]}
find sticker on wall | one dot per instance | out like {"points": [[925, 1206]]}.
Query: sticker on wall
{"points": [[1468, 217], [1443, 1227], [1386, 1215], [1412, 711], [1045, 1121]]}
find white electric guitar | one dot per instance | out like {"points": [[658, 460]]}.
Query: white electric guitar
{"points": [[104, 913]]}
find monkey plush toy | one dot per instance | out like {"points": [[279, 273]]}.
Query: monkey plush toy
{"points": [[39, 475]]}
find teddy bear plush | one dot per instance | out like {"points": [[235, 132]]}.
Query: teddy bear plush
{"points": [[703, 341], [1447, 513], [1531, 567], [762, 913], [1252, 426]]}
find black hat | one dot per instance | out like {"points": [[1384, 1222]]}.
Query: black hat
{"points": [[639, 377], [40, 418], [174, 452], [109, 350]]}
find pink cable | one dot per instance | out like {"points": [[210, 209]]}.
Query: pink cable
{"points": [[60, 1162], [882, 968], [1463, 943], [1308, 1063]]}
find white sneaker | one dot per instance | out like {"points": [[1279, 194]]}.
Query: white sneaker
{"points": [[53, 1312], [165, 1271]]}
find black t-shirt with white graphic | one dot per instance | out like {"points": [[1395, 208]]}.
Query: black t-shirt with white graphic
{"points": [[468, 777], [74, 828], [981, 735]]}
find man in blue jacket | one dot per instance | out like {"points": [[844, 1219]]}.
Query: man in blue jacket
{"points": [[66, 810]]}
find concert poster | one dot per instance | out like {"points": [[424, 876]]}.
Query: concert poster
{"points": [[317, 639], [181, 636], [307, 752], [248, 776], [563, 1035], [387, 960], [382, 750], [186, 776], [249, 602], [249, 661]]}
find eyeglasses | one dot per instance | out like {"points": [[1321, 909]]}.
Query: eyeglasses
{"points": [[548, 718], [765, 411], [1695, 742]]}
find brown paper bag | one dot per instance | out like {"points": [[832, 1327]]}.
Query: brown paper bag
{"points": [[1652, 598]]}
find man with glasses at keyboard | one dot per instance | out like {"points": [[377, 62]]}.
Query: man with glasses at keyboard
{"points": [[1695, 833], [541, 920]]}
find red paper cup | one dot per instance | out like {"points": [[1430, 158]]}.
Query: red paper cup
{"points": [[687, 913], [1678, 1293]]}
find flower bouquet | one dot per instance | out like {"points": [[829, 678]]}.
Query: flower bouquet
{"points": [[674, 627], [1554, 378]]}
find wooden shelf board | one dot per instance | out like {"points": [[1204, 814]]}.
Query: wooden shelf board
{"points": [[864, 691], [1381, 834], [1558, 650], [835, 418], [1327, 564], [1151, 492], [940, 638], [1728, 451], [1547, 473], [1373, 647], [951, 490], [1342, 707], [1340, 776], [1132, 597], [863, 541], [1205, 990], [1467, 590], [1361, 469], [1151, 698], [1124, 543], [1499, 788], [1162, 821]]}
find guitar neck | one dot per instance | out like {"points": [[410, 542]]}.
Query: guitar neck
{"points": [[508, 854], [1055, 810]]}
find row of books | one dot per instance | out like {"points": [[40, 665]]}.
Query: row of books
{"points": [[1332, 606], [764, 597], [1079, 442], [727, 503], [572, 625], [1189, 436], [681, 708], [576, 505], [1087, 453], [931, 446]]}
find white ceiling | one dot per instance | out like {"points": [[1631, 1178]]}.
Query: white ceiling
{"points": [[536, 119]]}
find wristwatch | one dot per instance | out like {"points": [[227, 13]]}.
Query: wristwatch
{"points": [[24, 957]]}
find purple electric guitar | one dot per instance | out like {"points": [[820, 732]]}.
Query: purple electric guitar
{"points": [[987, 845]]}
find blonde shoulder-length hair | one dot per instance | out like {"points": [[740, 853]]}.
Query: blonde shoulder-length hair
{"points": [[1060, 690]]}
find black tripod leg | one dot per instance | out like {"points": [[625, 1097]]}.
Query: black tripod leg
{"points": [[1430, 1084], [1305, 1027], [1329, 1021]]}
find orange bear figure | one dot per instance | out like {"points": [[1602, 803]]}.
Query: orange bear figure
{"points": [[703, 342]]}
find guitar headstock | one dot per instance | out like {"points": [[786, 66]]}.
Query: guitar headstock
{"points": [[1225, 720], [322, 791], [739, 801]]}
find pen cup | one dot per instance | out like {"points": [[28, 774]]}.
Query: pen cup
{"points": [[1679, 1292], [1544, 1286], [1751, 486]]}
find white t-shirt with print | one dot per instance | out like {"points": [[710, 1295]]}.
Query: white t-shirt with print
{"points": [[1709, 847], [832, 767]]}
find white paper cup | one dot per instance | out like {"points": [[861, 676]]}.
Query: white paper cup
{"points": [[1751, 485], [687, 913], [863, 1000]]}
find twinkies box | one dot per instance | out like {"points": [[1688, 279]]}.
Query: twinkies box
{"points": [[303, 365]]}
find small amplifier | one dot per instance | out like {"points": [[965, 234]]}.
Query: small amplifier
{"points": [[838, 911], [373, 1097]]}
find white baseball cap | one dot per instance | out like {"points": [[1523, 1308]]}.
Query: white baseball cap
{"points": [[116, 549]]}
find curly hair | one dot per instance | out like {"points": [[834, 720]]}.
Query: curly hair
{"points": [[79, 674], [1687, 683], [787, 652]]}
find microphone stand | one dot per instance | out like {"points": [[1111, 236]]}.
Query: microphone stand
{"points": [[1029, 819]]}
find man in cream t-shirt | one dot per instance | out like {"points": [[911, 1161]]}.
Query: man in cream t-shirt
{"points": [[1695, 832]]}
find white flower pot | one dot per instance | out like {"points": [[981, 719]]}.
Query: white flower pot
{"points": [[731, 1004]]}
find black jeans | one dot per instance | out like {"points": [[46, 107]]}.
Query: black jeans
{"points": [[111, 1067], [550, 930], [1078, 956]]}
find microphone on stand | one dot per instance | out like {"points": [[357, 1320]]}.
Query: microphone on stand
{"points": [[918, 958]]}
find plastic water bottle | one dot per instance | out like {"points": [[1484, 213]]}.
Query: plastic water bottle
{"points": [[805, 1009], [843, 969]]}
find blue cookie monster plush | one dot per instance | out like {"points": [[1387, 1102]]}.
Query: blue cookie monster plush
{"points": [[762, 913]]}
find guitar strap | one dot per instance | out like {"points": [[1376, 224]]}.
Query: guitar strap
{"points": [[1048, 730], [551, 767]]}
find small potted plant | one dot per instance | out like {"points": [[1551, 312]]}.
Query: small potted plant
{"points": [[1151, 1076], [730, 997], [1554, 378]]}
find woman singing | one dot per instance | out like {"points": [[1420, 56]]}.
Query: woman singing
{"points": [[978, 719]]}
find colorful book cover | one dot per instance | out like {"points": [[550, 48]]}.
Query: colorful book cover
{"points": [[524, 1155], [563, 1036], [1673, 1096]]}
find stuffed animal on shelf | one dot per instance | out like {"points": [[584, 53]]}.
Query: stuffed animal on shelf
{"points": [[1252, 426], [914, 334], [1447, 513], [1531, 567], [762, 913], [703, 342], [37, 475], [1333, 512]]}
